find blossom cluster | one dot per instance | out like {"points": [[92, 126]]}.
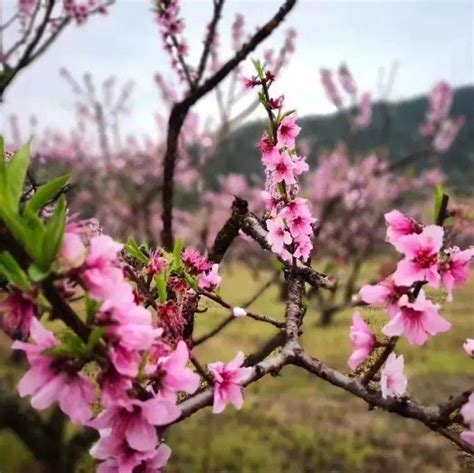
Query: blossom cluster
{"points": [[172, 28], [427, 260], [124, 378], [78, 10], [288, 218], [362, 117], [438, 127]]}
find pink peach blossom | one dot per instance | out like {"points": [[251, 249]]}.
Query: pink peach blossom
{"points": [[304, 246], [468, 436], [228, 378], [133, 428], [47, 383], [283, 169], [393, 381], [386, 293], [268, 149], [363, 341], [278, 235], [102, 274], [416, 320], [301, 225], [455, 270], [18, 309], [398, 225], [211, 280], [287, 131], [172, 373], [73, 252], [421, 257], [467, 412]]}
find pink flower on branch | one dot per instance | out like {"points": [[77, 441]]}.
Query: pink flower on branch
{"points": [[73, 252], [228, 379], [467, 412], [398, 225], [51, 380], [393, 381], [278, 235], [416, 320], [18, 310], [283, 168], [148, 462], [468, 436], [455, 269], [421, 257], [129, 435], [363, 341], [102, 273], [171, 374], [287, 131], [211, 280], [386, 294]]}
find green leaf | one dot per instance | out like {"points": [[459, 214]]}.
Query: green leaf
{"points": [[71, 347], [60, 351], [191, 281], [258, 68], [438, 199], [134, 250], [161, 281], [15, 176], [94, 338], [92, 306], [35, 233], [46, 193], [12, 271], [53, 236], [277, 265], [27, 229], [287, 113], [178, 248], [37, 274]]}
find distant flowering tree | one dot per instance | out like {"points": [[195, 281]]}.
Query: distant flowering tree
{"points": [[118, 174], [33, 25], [127, 371]]}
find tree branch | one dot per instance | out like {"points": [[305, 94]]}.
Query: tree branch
{"points": [[252, 227], [211, 33], [180, 110]]}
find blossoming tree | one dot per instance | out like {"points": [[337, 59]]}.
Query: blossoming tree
{"points": [[107, 328], [127, 368]]}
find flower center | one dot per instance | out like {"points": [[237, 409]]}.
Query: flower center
{"points": [[426, 258]]}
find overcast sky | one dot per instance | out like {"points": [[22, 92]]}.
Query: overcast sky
{"points": [[430, 40]]}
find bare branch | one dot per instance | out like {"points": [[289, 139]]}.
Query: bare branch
{"points": [[211, 33]]}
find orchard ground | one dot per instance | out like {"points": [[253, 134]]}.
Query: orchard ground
{"points": [[294, 423]]}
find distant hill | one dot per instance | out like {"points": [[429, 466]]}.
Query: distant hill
{"points": [[396, 125]]}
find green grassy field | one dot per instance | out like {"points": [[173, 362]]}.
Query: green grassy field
{"points": [[295, 423]]}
